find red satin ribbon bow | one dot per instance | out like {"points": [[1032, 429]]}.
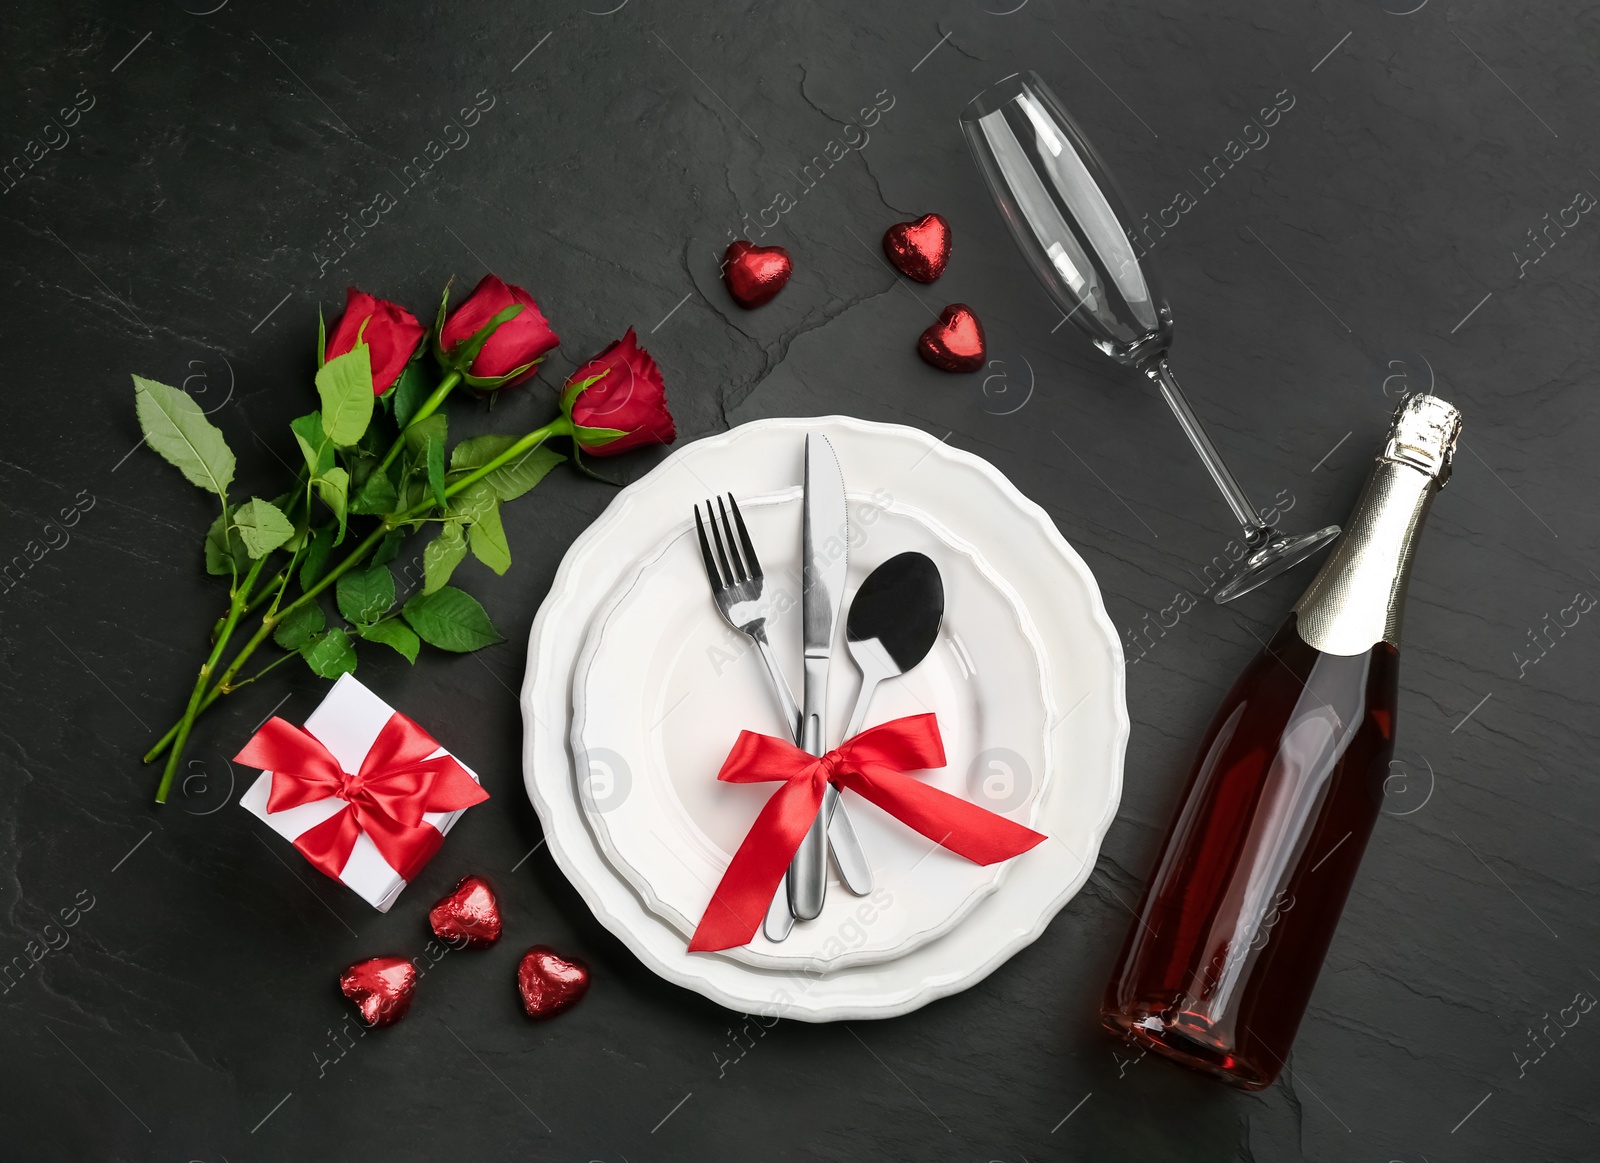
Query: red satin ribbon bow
{"points": [[397, 783], [871, 765]]}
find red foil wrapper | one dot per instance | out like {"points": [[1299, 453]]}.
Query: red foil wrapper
{"points": [[381, 987], [550, 983], [469, 917], [955, 343], [755, 274], [919, 250]]}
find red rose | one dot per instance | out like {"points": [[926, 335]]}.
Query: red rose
{"points": [[391, 335], [514, 348], [617, 401]]}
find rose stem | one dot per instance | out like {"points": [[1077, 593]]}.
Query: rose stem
{"points": [[241, 594], [559, 426], [269, 622], [428, 408], [236, 604]]}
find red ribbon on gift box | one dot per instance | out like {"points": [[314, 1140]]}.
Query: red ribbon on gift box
{"points": [[872, 764], [386, 799]]}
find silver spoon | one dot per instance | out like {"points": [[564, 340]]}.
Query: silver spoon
{"points": [[894, 622]]}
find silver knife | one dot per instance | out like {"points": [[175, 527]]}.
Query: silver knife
{"points": [[843, 842], [848, 855], [824, 557]]}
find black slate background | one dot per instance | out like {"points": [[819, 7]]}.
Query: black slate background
{"points": [[177, 234]]}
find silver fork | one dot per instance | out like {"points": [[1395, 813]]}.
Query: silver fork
{"points": [[739, 588]]}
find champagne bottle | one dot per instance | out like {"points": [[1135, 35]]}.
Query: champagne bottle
{"points": [[1219, 965]]}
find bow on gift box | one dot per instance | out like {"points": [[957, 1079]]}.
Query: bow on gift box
{"points": [[872, 764], [386, 799]]}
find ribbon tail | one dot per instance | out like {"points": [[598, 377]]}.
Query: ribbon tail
{"points": [[434, 785], [982, 836], [746, 889], [406, 848], [328, 845], [449, 787]]}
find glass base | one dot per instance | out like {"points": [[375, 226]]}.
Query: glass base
{"points": [[1265, 562]]}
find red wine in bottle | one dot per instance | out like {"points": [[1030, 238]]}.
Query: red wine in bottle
{"points": [[1219, 965]]}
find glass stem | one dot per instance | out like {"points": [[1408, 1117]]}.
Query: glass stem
{"points": [[1244, 512]]}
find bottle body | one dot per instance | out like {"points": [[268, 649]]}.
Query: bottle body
{"points": [[1247, 892], [1218, 968]]}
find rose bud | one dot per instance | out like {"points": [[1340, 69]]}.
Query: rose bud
{"points": [[497, 337], [390, 332], [617, 401]]}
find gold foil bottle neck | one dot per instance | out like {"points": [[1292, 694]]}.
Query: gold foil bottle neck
{"points": [[1359, 595]]}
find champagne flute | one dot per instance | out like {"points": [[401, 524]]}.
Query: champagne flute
{"points": [[1072, 225]]}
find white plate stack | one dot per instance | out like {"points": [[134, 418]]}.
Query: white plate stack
{"points": [[636, 690]]}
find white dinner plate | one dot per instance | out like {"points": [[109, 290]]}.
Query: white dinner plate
{"points": [[663, 688], [1084, 666]]}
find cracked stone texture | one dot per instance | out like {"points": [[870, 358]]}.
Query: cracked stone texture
{"points": [[180, 233]]}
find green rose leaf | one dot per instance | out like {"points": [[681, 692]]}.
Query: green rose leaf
{"points": [[411, 389], [262, 527], [451, 619], [478, 451], [375, 443], [299, 626], [334, 489], [393, 633], [365, 596], [314, 443], [486, 535], [488, 540], [473, 501], [330, 654], [512, 479], [225, 552], [436, 472], [423, 432], [442, 555], [345, 385], [377, 496], [389, 548], [415, 493], [175, 427], [316, 558]]}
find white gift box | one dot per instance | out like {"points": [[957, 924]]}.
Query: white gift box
{"points": [[347, 722]]}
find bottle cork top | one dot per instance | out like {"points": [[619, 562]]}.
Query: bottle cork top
{"points": [[1423, 435]]}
